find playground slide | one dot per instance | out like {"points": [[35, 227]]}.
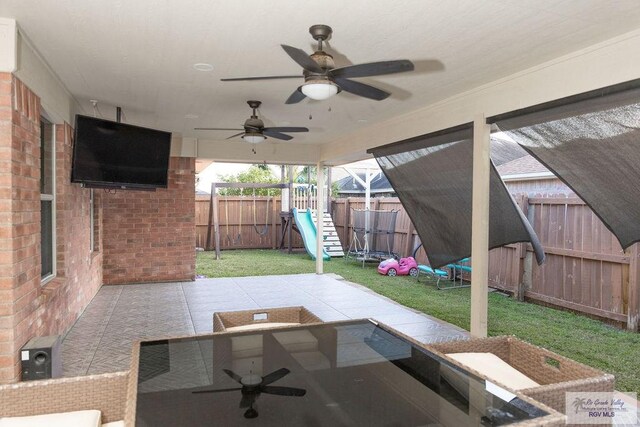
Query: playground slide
{"points": [[308, 232]]}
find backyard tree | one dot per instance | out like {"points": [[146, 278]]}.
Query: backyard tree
{"points": [[257, 173]]}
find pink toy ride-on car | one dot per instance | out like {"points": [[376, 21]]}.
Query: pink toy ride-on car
{"points": [[403, 267]]}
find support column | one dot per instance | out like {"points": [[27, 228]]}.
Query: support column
{"points": [[480, 227], [320, 219]]}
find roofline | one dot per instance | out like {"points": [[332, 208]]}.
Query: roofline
{"points": [[529, 176]]}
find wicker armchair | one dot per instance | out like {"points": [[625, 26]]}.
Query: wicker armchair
{"points": [[106, 393], [555, 374]]}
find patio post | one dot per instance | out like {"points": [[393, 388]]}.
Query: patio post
{"points": [[480, 226], [320, 219]]}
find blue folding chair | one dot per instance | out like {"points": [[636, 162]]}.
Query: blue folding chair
{"points": [[457, 269]]}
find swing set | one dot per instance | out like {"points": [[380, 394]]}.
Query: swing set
{"points": [[214, 222]]}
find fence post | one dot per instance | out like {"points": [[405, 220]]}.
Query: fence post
{"points": [[274, 223], [409, 242], [633, 307], [347, 223], [518, 265], [527, 267], [216, 220]]}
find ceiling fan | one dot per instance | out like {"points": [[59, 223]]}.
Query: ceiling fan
{"points": [[253, 385], [322, 79], [254, 130]]}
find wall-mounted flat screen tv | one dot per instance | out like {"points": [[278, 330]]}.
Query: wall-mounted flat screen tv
{"points": [[109, 154]]}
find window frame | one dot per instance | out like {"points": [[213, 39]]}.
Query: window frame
{"points": [[49, 197]]}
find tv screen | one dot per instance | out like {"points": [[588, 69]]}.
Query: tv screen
{"points": [[117, 155]]}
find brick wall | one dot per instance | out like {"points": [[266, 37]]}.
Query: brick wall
{"points": [[27, 308], [150, 236]]}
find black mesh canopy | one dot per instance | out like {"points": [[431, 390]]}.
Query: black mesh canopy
{"points": [[432, 175], [594, 147]]}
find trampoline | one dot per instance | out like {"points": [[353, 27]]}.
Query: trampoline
{"points": [[373, 235]]}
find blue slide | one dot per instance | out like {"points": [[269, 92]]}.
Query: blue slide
{"points": [[307, 229]]}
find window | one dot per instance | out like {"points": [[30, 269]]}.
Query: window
{"points": [[47, 200]]}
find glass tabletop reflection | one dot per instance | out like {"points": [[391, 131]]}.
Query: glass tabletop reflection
{"points": [[349, 373]]}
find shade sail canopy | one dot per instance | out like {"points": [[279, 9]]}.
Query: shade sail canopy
{"points": [[593, 145], [432, 175]]}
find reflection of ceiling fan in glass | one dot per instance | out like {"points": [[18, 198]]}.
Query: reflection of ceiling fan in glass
{"points": [[322, 79], [253, 385], [254, 130]]}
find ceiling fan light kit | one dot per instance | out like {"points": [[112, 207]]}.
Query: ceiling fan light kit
{"points": [[319, 90], [254, 138]]}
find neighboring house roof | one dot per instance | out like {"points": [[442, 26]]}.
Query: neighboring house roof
{"points": [[202, 193], [524, 167], [379, 184], [503, 151]]}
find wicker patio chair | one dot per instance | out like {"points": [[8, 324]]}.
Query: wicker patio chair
{"points": [[106, 393]]}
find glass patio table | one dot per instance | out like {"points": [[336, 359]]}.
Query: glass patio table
{"points": [[347, 373]]}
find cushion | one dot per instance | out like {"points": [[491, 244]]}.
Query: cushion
{"points": [[89, 418], [253, 326], [114, 424], [496, 369], [296, 341]]}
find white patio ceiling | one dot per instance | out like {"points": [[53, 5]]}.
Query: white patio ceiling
{"points": [[140, 55]]}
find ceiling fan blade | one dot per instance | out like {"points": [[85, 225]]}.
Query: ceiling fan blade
{"points": [[277, 135], [295, 97], [287, 129], [237, 134], [238, 79], [216, 391], [216, 129], [275, 375], [233, 375], [301, 57], [361, 89], [373, 69], [283, 391]]}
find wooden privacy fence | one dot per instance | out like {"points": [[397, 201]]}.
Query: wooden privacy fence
{"points": [[236, 216], [586, 270]]}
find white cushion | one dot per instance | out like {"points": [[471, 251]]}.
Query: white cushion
{"points": [[246, 346], [296, 341], [312, 360], [254, 326], [114, 424], [496, 369], [89, 418]]}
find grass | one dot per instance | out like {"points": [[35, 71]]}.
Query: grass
{"points": [[577, 337]]}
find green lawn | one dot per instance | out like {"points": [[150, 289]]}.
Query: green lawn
{"points": [[577, 337]]}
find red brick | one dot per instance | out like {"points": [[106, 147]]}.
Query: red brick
{"points": [[143, 235]]}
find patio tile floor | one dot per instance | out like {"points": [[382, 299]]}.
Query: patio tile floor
{"points": [[101, 339]]}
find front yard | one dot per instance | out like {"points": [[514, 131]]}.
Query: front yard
{"points": [[577, 337]]}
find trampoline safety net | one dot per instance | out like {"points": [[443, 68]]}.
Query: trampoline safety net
{"points": [[373, 234]]}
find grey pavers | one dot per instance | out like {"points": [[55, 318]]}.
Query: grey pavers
{"points": [[102, 338]]}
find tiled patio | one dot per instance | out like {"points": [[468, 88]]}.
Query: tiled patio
{"points": [[101, 339]]}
